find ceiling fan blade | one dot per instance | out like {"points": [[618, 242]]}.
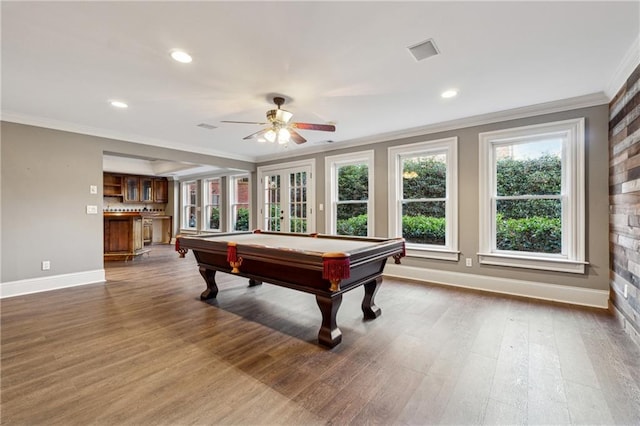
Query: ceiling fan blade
{"points": [[296, 137], [311, 126], [257, 135], [243, 122]]}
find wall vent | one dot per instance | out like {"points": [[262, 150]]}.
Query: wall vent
{"points": [[207, 126], [424, 50]]}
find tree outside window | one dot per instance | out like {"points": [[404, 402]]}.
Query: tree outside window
{"points": [[350, 194], [424, 198], [528, 199], [353, 197]]}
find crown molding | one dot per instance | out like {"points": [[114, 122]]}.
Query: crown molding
{"points": [[628, 64], [48, 123], [584, 101]]}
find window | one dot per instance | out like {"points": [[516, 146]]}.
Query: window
{"points": [[423, 198], [211, 199], [189, 199], [239, 207], [532, 197], [350, 194]]}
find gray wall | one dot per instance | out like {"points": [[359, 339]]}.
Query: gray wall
{"points": [[45, 182], [45, 189], [597, 252], [46, 176]]}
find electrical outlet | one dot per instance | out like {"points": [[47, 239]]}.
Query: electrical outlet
{"points": [[46, 265], [625, 291], [92, 209], [469, 262]]}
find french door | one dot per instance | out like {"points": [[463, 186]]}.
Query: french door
{"points": [[287, 197]]}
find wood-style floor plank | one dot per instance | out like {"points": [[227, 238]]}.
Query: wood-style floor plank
{"points": [[143, 349]]}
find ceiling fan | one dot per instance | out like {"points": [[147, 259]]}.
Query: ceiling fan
{"points": [[281, 130]]}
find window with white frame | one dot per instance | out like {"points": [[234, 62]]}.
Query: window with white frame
{"points": [[532, 197], [350, 194], [211, 200], [239, 196], [423, 197], [189, 202]]}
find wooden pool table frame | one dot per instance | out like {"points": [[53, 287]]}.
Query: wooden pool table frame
{"points": [[297, 269]]}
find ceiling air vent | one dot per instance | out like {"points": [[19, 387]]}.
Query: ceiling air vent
{"points": [[424, 50], [207, 126]]}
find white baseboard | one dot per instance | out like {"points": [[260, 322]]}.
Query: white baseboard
{"points": [[535, 290], [36, 285]]}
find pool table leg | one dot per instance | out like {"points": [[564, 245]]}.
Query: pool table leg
{"points": [[329, 335], [212, 288], [369, 308]]}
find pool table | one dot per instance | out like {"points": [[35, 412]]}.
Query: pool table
{"points": [[324, 265]]}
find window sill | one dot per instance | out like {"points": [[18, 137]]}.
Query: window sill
{"points": [[432, 253], [530, 262]]}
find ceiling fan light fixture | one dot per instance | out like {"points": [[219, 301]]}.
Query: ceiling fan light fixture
{"points": [[270, 135], [284, 116], [280, 129], [283, 136]]}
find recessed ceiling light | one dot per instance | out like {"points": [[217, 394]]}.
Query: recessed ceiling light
{"points": [[449, 93], [181, 56], [119, 104]]}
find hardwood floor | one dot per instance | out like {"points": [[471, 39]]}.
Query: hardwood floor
{"points": [[144, 350]]}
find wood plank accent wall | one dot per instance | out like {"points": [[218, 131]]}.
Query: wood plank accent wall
{"points": [[624, 203]]}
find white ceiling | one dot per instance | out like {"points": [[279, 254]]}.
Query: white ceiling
{"points": [[340, 62]]}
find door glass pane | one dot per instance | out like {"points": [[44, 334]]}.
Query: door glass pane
{"points": [[297, 202], [147, 185], [132, 189], [271, 208]]}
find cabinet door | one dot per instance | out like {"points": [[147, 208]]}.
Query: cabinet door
{"points": [[117, 235], [132, 188], [146, 190], [160, 190]]}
